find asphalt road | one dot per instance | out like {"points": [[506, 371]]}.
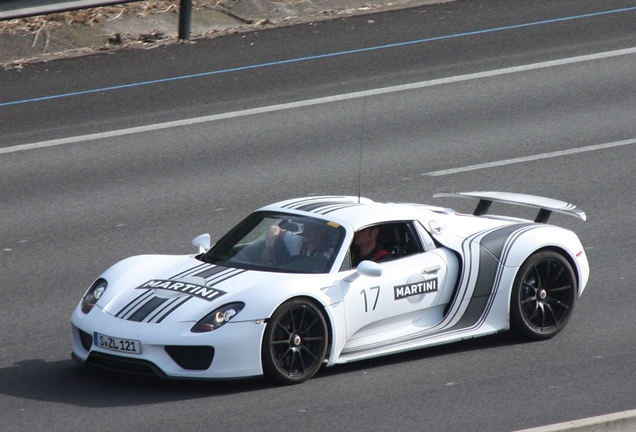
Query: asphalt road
{"points": [[81, 188]]}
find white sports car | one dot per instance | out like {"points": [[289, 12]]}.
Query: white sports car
{"points": [[295, 286]]}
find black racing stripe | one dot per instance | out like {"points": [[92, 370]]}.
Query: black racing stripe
{"points": [[222, 279], [147, 309], [292, 204], [497, 240], [488, 266], [299, 202], [211, 272], [508, 248], [163, 307], [313, 206], [172, 309], [490, 257], [191, 270], [134, 302], [335, 208], [464, 278]]}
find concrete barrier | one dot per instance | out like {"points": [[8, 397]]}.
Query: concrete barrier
{"points": [[617, 422]]}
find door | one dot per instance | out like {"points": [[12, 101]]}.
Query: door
{"points": [[408, 296]]}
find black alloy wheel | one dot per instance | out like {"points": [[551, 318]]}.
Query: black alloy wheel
{"points": [[543, 296], [295, 342]]}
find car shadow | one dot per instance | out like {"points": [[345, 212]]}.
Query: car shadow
{"points": [[67, 382]]}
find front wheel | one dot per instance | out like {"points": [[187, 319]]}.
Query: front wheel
{"points": [[295, 342], [543, 296]]}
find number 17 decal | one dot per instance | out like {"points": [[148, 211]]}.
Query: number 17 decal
{"points": [[377, 296]]}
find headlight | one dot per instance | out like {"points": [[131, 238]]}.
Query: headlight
{"points": [[217, 318], [93, 294]]}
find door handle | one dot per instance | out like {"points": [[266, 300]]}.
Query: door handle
{"points": [[431, 269]]}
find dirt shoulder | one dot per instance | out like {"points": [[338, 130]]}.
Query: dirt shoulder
{"points": [[147, 24]]}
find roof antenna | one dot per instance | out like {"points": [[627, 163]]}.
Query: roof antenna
{"points": [[364, 109]]}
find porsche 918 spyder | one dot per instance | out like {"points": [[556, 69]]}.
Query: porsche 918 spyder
{"points": [[328, 280]]}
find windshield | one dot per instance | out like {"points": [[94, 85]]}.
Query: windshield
{"points": [[279, 242]]}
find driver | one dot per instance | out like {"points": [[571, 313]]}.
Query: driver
{"points": [[366, 247], [312, 242]]}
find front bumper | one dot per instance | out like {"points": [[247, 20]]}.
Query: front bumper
{"points": [[170, 350]]}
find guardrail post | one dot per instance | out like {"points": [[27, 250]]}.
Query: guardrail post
{"points": [[185, 18]]}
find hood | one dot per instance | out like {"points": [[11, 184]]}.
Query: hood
{"points": [[169, 289]]}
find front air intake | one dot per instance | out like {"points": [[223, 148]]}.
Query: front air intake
{"points": [[86, 339], [191, 357], [124, 364]]}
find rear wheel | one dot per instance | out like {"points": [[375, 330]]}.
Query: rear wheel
{"points": [[543, 296], [295, 342]]}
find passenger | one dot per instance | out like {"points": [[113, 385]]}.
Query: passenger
{"points": [[366, 247], [312, 242]]}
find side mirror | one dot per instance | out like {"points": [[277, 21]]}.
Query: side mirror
{"points": [[369, 268], [202, 242], [365, 268]]}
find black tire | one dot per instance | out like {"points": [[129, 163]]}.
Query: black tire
{"points": [[295, 342], [543, 296]]}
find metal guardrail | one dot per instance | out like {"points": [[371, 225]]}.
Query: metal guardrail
{"points": [[12, 9]]}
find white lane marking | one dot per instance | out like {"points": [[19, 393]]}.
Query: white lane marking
{"points": [[317, 101], [529, 158]]}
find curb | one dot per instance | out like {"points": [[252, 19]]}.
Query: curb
{"points": [[617, 422]]}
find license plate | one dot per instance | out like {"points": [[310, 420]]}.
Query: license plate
{"points": [[117, 344]]}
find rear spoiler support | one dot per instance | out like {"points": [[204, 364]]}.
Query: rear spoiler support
{"points": [[546, 206]]}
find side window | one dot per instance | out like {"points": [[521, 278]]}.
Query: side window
{"points": [[400, 239], [384, 242], [347, 263]]}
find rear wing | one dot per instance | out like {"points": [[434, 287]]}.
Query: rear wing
{"points": [[545, 205]]}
